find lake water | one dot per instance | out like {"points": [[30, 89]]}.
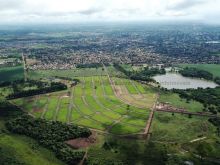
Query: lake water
{"points": [[177, 81]]}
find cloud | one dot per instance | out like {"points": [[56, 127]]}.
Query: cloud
{"points": [[185, 4], [90, 11], [11, 4], [110, 10]]}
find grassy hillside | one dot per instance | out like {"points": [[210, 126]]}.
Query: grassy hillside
{"points": [[15, 149]]}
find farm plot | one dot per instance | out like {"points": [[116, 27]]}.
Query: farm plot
{"points": [[134, 93], [92, 103]]}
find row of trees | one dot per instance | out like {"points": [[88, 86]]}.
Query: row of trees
{"points": [[194, 72], [68, 78], [50, 134], [142, 75], [54, 86], [91, 65]]}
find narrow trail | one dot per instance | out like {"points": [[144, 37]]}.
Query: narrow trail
{"points": [[115, 93], [198, 139], [131, 95], [186, 113], [121, 105], [25, 67], [106, 96], [68, 116], [99, 103], [84, 157], [114, 123], [45, 108], [88, 116], [136, 88], [150, 119], [35, 103], [57, 109]]}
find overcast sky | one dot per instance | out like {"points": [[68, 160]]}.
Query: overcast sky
{"points": [[37, 11]]}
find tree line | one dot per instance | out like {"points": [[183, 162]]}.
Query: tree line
{"points": [[54, 86], [194, 72], [91, 65]]}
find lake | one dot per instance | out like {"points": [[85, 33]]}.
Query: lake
{"points": [[177, 81]]}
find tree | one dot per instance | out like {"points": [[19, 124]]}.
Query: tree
{"points": [[203, 149]]}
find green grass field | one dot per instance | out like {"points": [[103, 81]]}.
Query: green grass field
{"points": [[93, 104], [180, 128], [11, 73], [212, 68], [71, 73]]}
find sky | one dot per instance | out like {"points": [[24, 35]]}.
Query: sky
{"points": [[61, 11]]}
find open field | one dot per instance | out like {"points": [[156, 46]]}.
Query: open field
{"points": [[180, 128], [92, 103], [212, 68], [65, 73], [11, 73]]}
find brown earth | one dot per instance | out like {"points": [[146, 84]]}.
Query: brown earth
{"points": [[37, 110], [82, 142]]}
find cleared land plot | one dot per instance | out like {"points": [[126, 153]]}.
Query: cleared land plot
{"points": [[139, 100], [93, 105]]}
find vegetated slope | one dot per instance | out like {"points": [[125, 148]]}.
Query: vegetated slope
{"points": [[51, 135], [18, 149]]}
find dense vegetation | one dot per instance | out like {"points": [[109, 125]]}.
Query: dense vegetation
{"points": [[212, 68], [54, 86], [209, 97], [90, 65], [7, 83], [194, 72], [142, 75], [51, 135], [8, 110], [68, 78]]}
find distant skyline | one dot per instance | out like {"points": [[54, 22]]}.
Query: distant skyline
{"points": [[67, 11]]}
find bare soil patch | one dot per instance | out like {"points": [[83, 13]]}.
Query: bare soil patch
{"points": [[37, 110], [166, 106], [82, 142]]}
